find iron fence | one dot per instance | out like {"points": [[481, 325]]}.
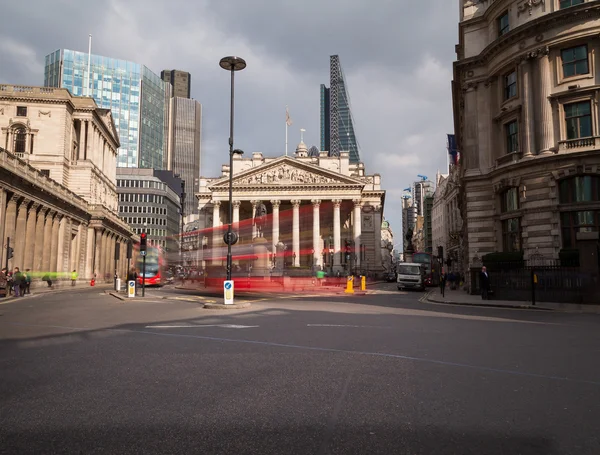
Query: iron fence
{"points": [[551, 282]]}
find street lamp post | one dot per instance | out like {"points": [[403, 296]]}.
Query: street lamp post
{"points": [[231, 64]]}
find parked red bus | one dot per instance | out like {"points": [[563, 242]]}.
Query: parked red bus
{"points": [[429, 265], [156, 267]]}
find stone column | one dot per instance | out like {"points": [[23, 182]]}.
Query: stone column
{"points": [[60, 247], [236, 216], [316, 203], [216, 241], [528, 110], [54, 247], [545, 112], [377, 226], [9, 228], [19, 243], [3, 196], [89, 252], [97, 254], [275, 204], [337, 235], [30, 237], [39, 244], [357, 225], [296, 232], [254, 230], [48, 220]]}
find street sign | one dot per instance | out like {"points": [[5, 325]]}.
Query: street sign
{"points": [[228, 292], [131, 288], [142, 253]]}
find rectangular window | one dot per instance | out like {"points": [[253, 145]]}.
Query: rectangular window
{"points": [[574, 222], [567, 3], [578, 118], [510, 85], [575, 61], [510, 200], [21, 111], [503, 26], [511, 235], [512, 136]]}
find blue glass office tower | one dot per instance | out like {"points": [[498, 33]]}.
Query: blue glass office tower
{"points": [[338, 134], [135, 95]]}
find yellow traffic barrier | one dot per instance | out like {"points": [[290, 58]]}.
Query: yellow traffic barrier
{"points": [[363, 283], [350, 285]]}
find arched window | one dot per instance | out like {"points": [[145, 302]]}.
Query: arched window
{"points": [[581, 189], [20, 135]]}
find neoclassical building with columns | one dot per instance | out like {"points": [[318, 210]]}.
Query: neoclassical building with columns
{"points": [[526, 94], [58, 196], [320, 212]]}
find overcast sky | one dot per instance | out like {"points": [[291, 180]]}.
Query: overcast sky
{"points": [[396, 54]]}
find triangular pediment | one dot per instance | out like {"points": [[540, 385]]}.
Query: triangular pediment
{"points": [[287, 171]]}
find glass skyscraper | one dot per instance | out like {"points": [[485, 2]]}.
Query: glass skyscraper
{"points": [[338, 134], [133, 93]]}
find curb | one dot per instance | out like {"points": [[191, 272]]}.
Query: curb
{"points": [[115, 295], [222, 306], [489, 305]]}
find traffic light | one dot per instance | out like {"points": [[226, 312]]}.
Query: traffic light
{"points": [[143, 241], [9, 253]]}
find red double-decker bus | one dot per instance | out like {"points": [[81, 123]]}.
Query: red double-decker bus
{"points": [[429, 266], [156, 266]]}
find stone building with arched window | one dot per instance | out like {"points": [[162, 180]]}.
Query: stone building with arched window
{"points": [[58, 197], [526, 94]]}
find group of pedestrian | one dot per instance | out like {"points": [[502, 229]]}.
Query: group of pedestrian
{"points": [[16, 282]]}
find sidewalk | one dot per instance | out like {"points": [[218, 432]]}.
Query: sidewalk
{"points": [[463, 298], [41, 290]]}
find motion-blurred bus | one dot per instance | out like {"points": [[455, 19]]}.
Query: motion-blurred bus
{"points": [[156, 267], [429, 267]]}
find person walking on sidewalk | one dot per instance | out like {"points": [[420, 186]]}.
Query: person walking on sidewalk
{"points": [[18, 280], [484, 280], [74, 276], [443, 283], [27, 276]]}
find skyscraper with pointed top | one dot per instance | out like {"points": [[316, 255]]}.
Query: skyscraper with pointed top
{"points": [[337, 124]]}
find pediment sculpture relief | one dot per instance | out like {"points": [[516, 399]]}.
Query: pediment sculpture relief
{"points": [[284, 174]]}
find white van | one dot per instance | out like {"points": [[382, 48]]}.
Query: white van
{"points": [[411, 275]]}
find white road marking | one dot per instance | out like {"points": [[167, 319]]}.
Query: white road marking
{"points": [[187, 326], [351, 326]]}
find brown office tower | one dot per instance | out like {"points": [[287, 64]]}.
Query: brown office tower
{"points": [[180, 80]]}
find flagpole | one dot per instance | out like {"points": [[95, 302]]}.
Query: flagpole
{"points": [[286, 131]]}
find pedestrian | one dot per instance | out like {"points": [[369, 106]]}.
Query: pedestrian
{"points": [[9, 282], [4, 281], [27, 281], [74, 276], [443, 283], [17, 282], [484, 283]]}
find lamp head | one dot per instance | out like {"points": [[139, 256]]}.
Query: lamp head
{"points": [[232, 63]]}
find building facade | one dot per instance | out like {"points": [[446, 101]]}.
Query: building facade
{"points": [[184, 148], [57, 184], [135, 95], [447, 221], [335, 104], [311, 212], [526, 89], [149, 201], [409, 217]]}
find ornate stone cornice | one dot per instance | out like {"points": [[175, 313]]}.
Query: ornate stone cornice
{"points": [[528, 6], [536, 27]]}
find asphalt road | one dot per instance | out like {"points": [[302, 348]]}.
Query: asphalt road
{"points": [[83, 372]]}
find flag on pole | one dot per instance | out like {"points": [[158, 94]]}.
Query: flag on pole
{"points": [[452, 149], [288, 119]]}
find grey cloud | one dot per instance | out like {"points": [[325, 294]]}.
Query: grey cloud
{"points": [[401, 100]]}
